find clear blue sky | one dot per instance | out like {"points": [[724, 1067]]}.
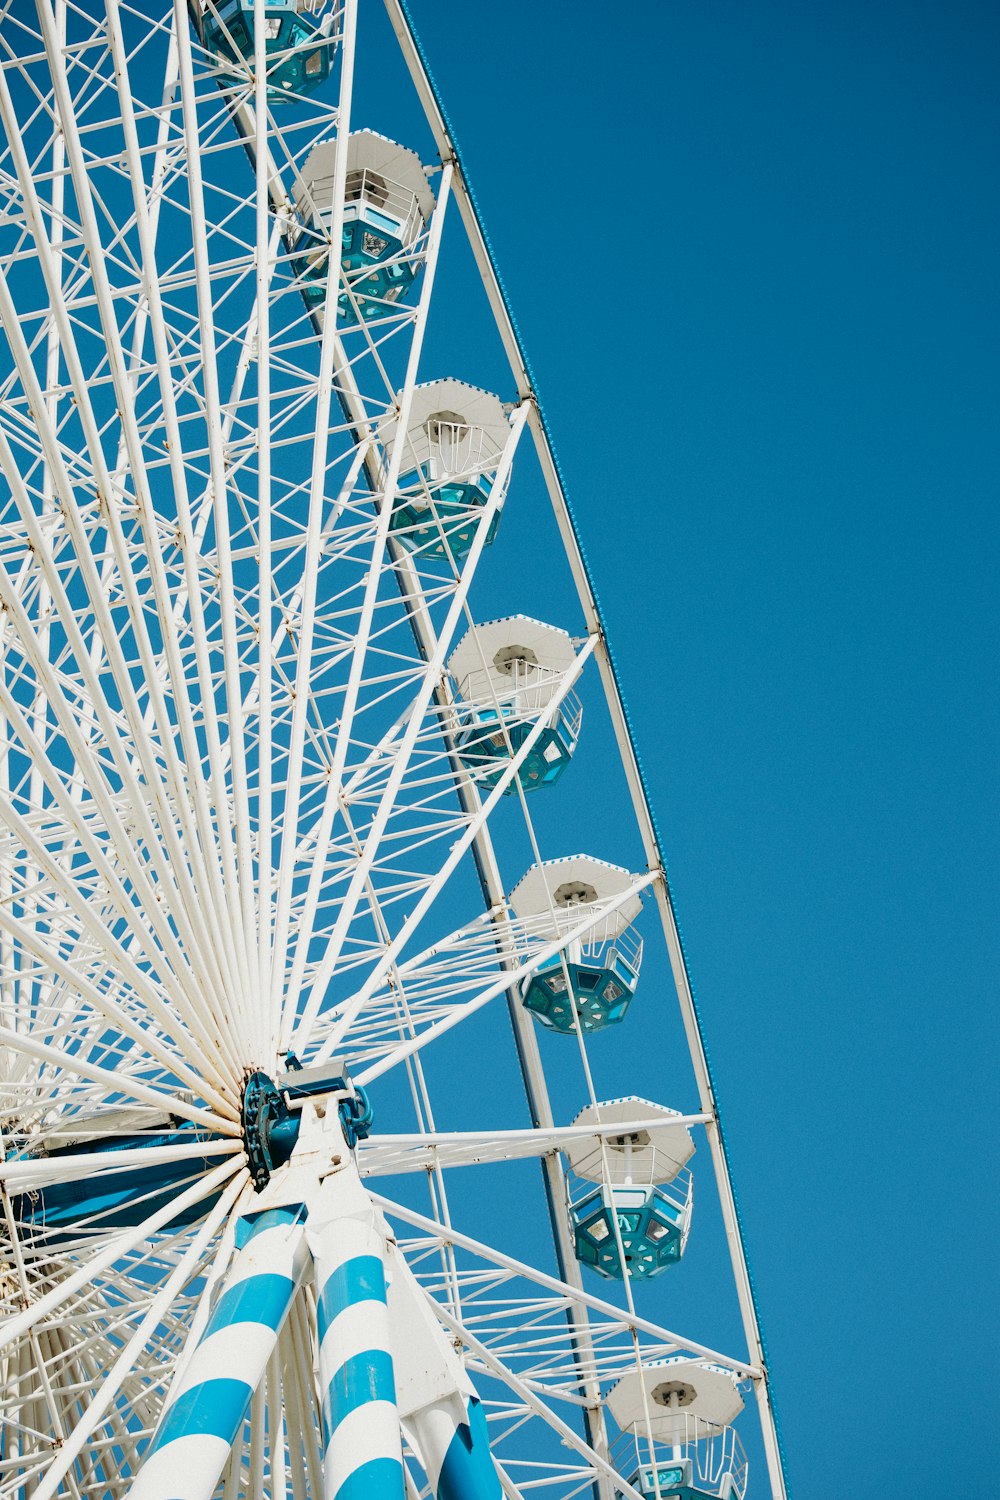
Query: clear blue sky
{"points": [[753, 252]]}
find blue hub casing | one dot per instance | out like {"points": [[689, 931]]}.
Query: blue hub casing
{"points": [[123, 1199], [650, 1228], [599, 993], [356, 1116], [270, 1129], [306, 56], [443, 523], [483, 748], [113, 1200], [371, 257]]}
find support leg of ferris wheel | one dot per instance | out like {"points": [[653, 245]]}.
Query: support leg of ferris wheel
{"points": [[208, 1405], [385, 1363], [439, 1409], [413, 55], [362, 1452], [375, 1326]]}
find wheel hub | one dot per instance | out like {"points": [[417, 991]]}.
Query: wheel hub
{"points": [[271, 1113]]}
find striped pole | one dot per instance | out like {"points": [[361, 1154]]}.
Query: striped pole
{"points": [[439, 1410], [362, 1457], [205, 1412], [454, 1448]]}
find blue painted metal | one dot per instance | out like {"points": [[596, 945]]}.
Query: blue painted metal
{"points": [[215, 1408], [669, 1477], [122, 1199], [354, 1383], [483, 747], [599, 992], [670, 1481], [379, 1479], [299, 55], [649, 1224], [356, 1116], [373, 258], [356, 1280], [439, 520], [270, 1129], [674, 1480], [468, 1471], [112, 1200]]}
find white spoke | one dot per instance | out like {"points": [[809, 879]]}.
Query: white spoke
{"points": [[552, 1283], [16, 1326], [125, 1362], [384, 1155]]}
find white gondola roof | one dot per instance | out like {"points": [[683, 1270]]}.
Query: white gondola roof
{"points": [[479, 657], [571, 884], [478, 408], [659, 1153], [671, 1389], [367, 151]]}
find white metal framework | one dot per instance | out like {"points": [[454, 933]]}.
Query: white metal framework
{"points": [[255, 861]]}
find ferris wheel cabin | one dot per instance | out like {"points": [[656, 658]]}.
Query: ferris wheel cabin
{"points": [[506, 674], [387, 203], [300, 43], [452, 448], [591, 982], [639, 1179], [677, 1441]]}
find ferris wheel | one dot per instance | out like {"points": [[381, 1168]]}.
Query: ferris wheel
{"points": [[293, 983]]}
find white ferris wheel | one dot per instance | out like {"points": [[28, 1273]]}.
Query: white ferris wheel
{"points": [[310, 1183]]}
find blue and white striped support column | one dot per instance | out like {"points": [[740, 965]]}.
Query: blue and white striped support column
{"points": [[362, 1458], [454, 1449], [206, 1410], [439, 1410]]}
